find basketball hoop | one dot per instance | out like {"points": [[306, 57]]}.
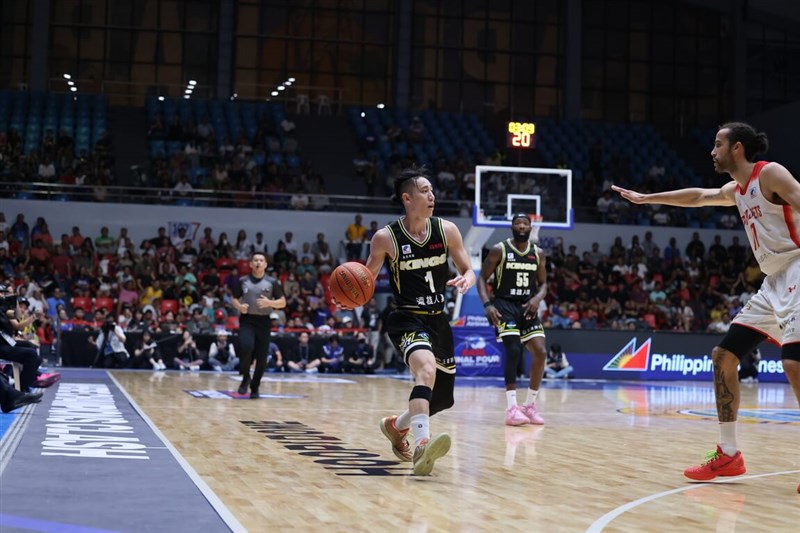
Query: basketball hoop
{"points": [[536, 225]]}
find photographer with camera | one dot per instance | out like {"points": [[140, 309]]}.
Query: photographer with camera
{"points": [[110, 343], [12, 349]]}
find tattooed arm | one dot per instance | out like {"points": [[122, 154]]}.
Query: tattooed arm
{"points": [[690, 197]]}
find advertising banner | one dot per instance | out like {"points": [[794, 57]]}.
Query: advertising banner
{"points": [[638, 355], [477, 352]]}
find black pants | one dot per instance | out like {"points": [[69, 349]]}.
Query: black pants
{"points": [[7, 393], [115, 360], [25, 354], [253, 344]]}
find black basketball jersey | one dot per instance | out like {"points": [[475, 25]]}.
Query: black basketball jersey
{"points": [[419, 269], [516, 274]]}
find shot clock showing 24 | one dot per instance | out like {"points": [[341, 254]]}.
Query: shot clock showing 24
{"points": [[520, 134]]}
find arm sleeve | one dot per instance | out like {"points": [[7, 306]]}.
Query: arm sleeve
{"points": [[236, 289]]}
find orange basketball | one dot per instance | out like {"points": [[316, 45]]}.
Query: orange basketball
{"points": [[352, 284]]}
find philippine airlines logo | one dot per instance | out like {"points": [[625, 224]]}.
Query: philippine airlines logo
{"points": [[631, 357]]}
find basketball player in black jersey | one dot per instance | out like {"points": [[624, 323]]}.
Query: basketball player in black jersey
{"points": [[255, 296], [417, 247], [520, 283]]}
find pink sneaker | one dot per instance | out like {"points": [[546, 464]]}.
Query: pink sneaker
{"points": [[532, 414], [515, 416]]}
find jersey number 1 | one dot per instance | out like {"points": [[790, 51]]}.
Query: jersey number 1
{"points": [[429, 279], [755, 236]]}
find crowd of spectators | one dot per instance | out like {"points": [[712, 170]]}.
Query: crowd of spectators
{"points": [[642, 285], [175, 283], [55, 161], [265, 168]]}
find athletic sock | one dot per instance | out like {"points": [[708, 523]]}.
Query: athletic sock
{"points": [[727, 438], [420, 428], [511, 398], [403, 421], [532, 394]]}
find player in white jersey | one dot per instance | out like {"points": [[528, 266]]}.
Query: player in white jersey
{"points": [[768, 198]]}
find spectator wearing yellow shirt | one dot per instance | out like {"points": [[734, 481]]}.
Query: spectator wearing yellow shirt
{"points": [[355, 234], [152, 294]]}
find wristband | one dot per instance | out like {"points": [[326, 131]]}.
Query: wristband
{"points": [[487, 304]]}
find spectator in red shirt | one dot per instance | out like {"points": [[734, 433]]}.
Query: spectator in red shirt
{"points": [[39, 253], [62, 263]]}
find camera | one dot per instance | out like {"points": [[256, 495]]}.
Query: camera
{"points": [[8, 302]]}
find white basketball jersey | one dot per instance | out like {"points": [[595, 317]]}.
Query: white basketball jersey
{"points": [[773, 230]]}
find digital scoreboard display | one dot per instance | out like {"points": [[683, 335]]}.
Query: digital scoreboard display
{"points": [[520, 134]]}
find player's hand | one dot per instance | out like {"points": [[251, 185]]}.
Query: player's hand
{"points": [[632, 196], [531, 308], [263, 302], [493, 315], [341, 306], [460, 283], [244, 308]]}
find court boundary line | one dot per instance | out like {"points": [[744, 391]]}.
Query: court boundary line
{"points": [[216, 503], [12, 438], [610, 516]]}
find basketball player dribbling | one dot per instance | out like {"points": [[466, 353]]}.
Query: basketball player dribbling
{"points": [[768, 198], [417, 246]]}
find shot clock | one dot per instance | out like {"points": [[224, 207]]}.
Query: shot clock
{"points": [[520, 134]]}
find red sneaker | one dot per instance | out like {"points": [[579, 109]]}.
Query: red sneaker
{"points": [[397, 437], [717, 464]]}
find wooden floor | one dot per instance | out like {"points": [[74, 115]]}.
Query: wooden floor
{"points": [[610, 457]]}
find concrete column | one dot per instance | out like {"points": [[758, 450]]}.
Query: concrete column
{"points": [[225, 49], [572, 79], [40, 42], [402, 59]]}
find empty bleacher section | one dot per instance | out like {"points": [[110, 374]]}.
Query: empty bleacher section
{"points": [[232, 121], [630, 155], [431, 138], [82, 117]]}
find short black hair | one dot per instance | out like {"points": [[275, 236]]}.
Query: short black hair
{"points": [[755, 143], [262, 254], [407, 179], [555, 348]]}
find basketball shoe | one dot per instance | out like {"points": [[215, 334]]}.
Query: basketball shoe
{"points": [[397, 437], [428, 451], [532, 414], [717, 464], [515, 416]]}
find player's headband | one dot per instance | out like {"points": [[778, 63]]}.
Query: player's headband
{"points": [[520, 215]]}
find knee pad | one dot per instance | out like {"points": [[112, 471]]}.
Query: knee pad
{"points": [[741, 340], [421, 392], [791, 351], [443, 393]]}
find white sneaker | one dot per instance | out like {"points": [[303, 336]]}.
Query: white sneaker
{"points": [[312, 370], [162, 366], [194, 368], [156, 366]]}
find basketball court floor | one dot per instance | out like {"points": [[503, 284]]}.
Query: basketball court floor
{"points": [[169, 451]]}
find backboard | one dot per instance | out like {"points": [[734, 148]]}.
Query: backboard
{"points": [[502, 191]]}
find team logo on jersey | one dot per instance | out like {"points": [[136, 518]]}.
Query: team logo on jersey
{"points": [[792, 288], [510, 256], [752, 192], [406, 248]]}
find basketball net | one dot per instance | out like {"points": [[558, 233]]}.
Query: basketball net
{"points": [[536, 225]]}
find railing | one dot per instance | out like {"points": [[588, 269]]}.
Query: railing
{"points": [[204, 198]]}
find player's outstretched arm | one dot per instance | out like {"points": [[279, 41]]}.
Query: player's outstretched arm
{"points": [[689, 197], [455, 245]]}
